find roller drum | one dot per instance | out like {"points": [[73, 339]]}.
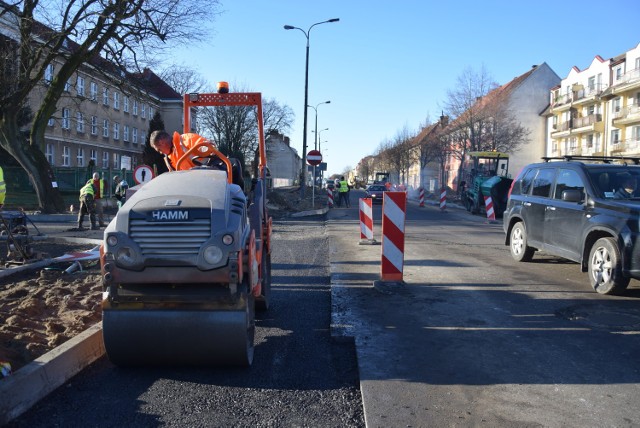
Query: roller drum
{"points": [[179, 337]]}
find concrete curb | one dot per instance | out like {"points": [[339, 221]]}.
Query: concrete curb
{"points": [[34, 381]]}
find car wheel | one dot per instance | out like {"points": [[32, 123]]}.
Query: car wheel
{"points": [[605, 267], [520, 251]]}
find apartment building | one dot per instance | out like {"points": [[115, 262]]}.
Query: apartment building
{"points": [[595, 111], [105, 120]]}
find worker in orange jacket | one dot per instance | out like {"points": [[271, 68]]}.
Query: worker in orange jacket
{"points": [[174, 148]]}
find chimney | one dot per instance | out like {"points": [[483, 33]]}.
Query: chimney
{"points": [[444, 120], [286, 141]]}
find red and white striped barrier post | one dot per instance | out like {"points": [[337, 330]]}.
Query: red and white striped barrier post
{"points": [[488, 203], [366, 222], [329, 198], [394, 206], [443, 199], [422, 197]]}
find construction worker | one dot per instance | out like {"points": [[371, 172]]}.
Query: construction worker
{"points": [[174, 148], [343, 193], [87, 205], [99, 197], [120, 192], [3, 188]]}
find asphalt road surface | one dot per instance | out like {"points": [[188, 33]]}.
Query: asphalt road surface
{"points": [[299, 377], [474, 338]]}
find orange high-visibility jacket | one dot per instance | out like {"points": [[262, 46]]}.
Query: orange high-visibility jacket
{"points": [[181, 144]]}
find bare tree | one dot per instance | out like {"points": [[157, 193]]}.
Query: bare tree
{"points": [[115, 36], [184, 79], [464, 106], [235, 128]]}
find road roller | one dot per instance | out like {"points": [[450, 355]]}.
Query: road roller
{"points": [[187, 260]]}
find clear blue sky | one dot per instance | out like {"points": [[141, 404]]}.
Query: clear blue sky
{"points": [[389, 64]]}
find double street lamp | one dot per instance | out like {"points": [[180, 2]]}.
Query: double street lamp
{"points": [[306, 102], [315, 146]]}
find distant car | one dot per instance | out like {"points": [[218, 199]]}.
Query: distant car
{"points": [[330, 185], [375, 192]]}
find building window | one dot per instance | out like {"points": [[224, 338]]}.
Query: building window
{"points": [[590, 141], [67, 86], [80, 86], [79, 122], [94, 125], [143, 110], [125, 133], [48, 74], [116, 100], [93, 88], [66, 156], [615, 105], [65, 118], [150, 112], [105, 96], [116, 131], [80, 156], [116, 161], [105, 160], [125, 103], [134, 135], [94, 156], [105, 128], [135, 107], [615, 136], [618, 73], [50, 154], [635, 134], [51, 121]]}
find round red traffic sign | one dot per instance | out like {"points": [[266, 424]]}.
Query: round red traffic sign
{"points": [[142, 173], [314, 157]]}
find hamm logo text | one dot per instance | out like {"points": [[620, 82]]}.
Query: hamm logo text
{"points": [[171, 215]]}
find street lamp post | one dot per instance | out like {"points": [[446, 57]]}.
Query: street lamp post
{"points": [[306, 97]]}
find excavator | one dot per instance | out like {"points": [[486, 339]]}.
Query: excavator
{"points": [[187, 260]]}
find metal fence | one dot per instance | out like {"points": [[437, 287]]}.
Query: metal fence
{"points": [[21, 193]]}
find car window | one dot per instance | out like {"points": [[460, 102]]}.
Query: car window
{"points": [[543, 181], [568, 180], [525, 183]]}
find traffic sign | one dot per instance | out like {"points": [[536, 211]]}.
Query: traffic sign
{"points": [[314, 157], [142, 174]]}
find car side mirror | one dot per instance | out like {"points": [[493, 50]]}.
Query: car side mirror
{"points": [[572, 195]]}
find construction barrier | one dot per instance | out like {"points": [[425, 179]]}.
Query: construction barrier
{"points": [[488, 203], [443, 199], [329, 198], [422, 197], [366, 222], [394, 205]]}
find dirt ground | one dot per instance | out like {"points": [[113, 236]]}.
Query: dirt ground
{"points": [[43, 308]]}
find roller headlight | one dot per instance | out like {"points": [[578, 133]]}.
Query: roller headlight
{"points": [[227, 239], [112, 240], [212, 255], [126, 256]]}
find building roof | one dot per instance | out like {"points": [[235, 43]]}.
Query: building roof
{"points": [[154, 84]]}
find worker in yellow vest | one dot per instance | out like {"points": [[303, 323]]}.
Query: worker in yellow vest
{"points": [[3, 188], [343, 193], [87, 205], [99, 198]]}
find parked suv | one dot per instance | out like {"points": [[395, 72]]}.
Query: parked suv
{"points": [[585, 209]]}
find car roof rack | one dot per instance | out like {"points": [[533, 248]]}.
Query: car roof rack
{"points": [[604, 159]]}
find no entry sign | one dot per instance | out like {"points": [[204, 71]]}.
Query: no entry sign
{"points": [[314, 157]]}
